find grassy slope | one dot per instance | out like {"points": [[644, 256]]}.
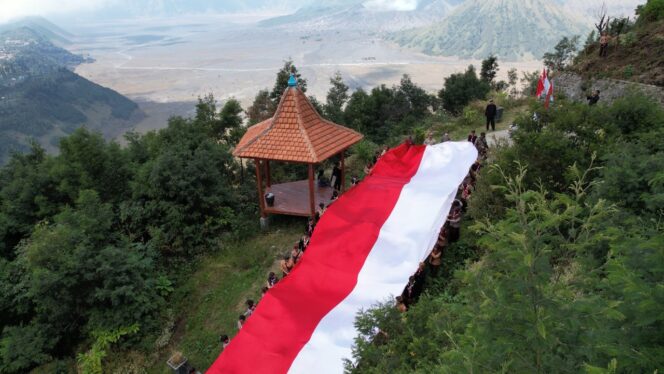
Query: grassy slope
{"points": [[639, 61], [212, 298], [459, 130], [208, 303]]}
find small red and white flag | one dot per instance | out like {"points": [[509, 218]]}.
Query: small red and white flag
{"points": [[545, 89], [364, 249]]}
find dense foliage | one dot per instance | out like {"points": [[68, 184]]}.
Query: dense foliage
{"points": [[388, 113], [90, 238], [566, 269], [651, 11], [462, 88], [266, 101]]}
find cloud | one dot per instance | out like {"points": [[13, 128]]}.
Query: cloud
{"points": [[11, 9], [620, 8], [401, 5]]}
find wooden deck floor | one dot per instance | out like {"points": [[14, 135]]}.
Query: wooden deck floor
{"points": [[293, 198]]}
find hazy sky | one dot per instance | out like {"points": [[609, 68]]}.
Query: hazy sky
{"points": [[10, 9], [392, 4], [18, 8]]}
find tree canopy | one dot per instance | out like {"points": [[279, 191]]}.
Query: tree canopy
{"points": [[90, 236], [560, 265]]}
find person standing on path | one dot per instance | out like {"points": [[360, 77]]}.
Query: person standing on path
{"points": [[336, 175], [490, 114], [603, 45]]}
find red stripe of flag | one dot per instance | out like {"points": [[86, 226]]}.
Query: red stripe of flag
{"points": [[288, 314]]}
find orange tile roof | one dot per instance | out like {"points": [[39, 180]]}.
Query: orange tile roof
{"points": [[296, 133]]}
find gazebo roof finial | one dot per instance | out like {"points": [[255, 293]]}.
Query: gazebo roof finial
{"points": [[292, 81]]}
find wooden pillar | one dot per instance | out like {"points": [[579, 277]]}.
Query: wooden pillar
{"points": [[268, 177], [343, 172], [312, 199], [259, 184]]}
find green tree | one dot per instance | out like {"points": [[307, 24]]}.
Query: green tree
{"points": [[489, 69], [563, 53], [224, 125], [281, 83], [206, 113], [529, 82], [591, 40], [24, 347], [651, 11], [185, 197], [633, 288], [417, 98], [230, 122], [87, 161], [337, 97], [462, 88], [262, 108], [320, 108], [81, 275], [26, 197], [356, 111], [512, 80]]}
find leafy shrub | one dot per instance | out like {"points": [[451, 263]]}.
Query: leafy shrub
{"points": [[469, 117], [364, 151], [462, 88], [23, 347], [628, 71], [636, 112], [629, 39], [419, 135], [652, 11]]}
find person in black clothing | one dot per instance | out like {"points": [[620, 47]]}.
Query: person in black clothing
{"points": [[322, 181], [336, 174], [490, 114], [420, 276], [408, 294], [472, 137], [594, 98]]}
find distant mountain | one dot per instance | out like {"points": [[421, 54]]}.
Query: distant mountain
{"points": [[167, 8], [361, 16], [42, 27], [42, 99], [511, 29]]}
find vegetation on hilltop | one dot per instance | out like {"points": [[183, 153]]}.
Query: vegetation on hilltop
{"points": [[90, 239], [635, 49], [138, 245], [561, 265], [101, 243]]}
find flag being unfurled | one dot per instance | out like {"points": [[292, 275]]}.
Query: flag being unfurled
{"points": [[365, 248], [545, 89]]}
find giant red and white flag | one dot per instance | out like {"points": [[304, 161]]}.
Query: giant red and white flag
{"points": [[364, 249]]}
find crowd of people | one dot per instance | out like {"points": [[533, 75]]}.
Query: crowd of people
{"points": [[289, 260], [450, 233]]}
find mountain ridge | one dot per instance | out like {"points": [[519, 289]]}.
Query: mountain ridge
{"points": [[526, 30], [41, 98], [357, 15]]}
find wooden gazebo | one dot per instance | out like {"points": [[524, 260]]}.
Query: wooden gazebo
{"points": [[296, 134]]}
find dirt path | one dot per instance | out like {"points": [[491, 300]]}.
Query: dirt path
{"points": [[497, 136]]}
